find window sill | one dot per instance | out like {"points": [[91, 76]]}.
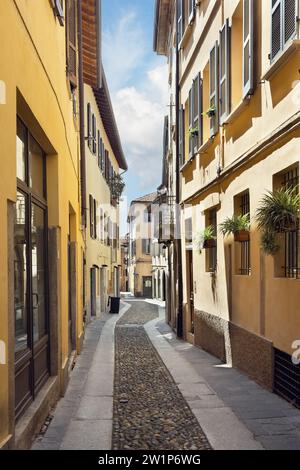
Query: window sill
{"points": [[281, 60], [187, 163], [237, 110], [186, 35]]}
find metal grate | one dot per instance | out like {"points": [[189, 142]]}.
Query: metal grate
{"points": [[286, 377], [291, 242], [245, 246], [212, 252]]}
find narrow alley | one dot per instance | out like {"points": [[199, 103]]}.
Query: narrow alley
{"points": [[136, 386]]}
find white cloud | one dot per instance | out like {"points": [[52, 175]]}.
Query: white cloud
{"points": [[123, 49], [138, 83]]}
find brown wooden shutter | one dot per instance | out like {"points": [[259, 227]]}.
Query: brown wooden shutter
{"points": [[94, 134], [89, 125], [99, 150], [72, 41]]}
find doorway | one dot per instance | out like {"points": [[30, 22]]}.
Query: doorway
{"points": [[32, 355], [147, 287], [93, 291], [190, 288]]}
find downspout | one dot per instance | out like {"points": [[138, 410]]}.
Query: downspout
{"points": [[179, 315], [81, 118]]}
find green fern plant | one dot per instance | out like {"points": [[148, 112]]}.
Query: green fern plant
{"points": [[235, 224], [279, 210], [268, 243]]}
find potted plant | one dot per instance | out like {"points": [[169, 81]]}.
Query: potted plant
{"points": [[206, 239], [237, 225], [279, 210], [117, 187], [268, 243], [194, 132], [210, 112]]}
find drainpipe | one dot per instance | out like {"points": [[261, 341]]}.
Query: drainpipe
{"points": [[179, 315], [81, 118]]}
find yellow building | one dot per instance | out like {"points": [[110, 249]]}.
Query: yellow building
{"points": [[238, 106], [140, 237], [104, 159], [42, 246]]}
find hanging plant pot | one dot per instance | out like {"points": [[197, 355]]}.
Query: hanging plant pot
{"points": [[209, 243], [242, 236]]}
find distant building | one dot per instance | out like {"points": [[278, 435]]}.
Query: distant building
{"points": [[140, 239], [124, 243]]}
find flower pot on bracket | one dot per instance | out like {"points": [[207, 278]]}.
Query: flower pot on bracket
{"points": [[242, 236], [209, 243]]}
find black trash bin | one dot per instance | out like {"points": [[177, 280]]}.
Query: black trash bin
{"points": [[114, 304]]}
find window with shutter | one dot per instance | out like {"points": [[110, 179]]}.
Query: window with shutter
{"points": [[197, 114], [89, 125], [94, 135], [192, 10], [59, 11], [103, 158], [224, 67], [72, 42], [95, 219], [248, 47], [283, 24], [191, 112], [181, 135], [99, 150], [180, 19], [91, 204], [214, 89]]}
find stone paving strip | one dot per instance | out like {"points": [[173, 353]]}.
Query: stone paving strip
{"points": [[149, 409], [234, 411]]}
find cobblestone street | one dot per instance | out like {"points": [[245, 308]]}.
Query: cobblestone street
{"points": [[136, 386], [149, 410]]}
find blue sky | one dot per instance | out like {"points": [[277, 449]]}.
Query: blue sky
{"points": [[137, 80]]}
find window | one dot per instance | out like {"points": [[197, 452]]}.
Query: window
{"points": [[211, 251], [71, 35], [94, 135], [192, 10], [189, 231], [59, 11], [290, 179], [146, 246], [248, 47], [224, 68], [181, 129], [89, 126], [214, 89], [195, 116], [283, 24], [99, 148], [242, 249], [180, 20], [93, 218]]}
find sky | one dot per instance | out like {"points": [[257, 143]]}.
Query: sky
{"points": [[137, 80]]}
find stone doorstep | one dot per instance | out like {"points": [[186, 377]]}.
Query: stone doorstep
{"points": [[34, 417]]}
